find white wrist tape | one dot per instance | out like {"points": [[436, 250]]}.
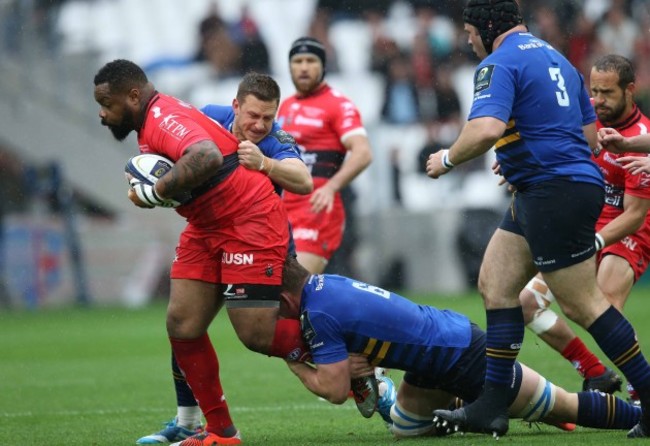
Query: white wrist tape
{"points": [[600, 242], [445, 160]]}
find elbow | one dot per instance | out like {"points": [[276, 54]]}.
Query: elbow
{"points": [[306, 187], [338, 397]]}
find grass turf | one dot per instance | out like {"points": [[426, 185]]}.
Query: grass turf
{"points": [[101, 377]]}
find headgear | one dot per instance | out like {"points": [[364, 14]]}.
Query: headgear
{"points": [[492, 18], [308, 45]]}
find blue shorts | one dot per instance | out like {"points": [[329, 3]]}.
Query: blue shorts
{"points": [[465, 380], [558, 220]]}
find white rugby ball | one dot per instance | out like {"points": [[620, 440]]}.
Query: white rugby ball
{"points": [[148, 167]]}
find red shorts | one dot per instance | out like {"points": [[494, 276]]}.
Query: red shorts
{"points": [[318, 234], [252, 250], [633, 248]]}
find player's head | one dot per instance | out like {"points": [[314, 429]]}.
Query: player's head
{"points": [[121, 90], [294, 276], [255, 107], [612, 84], [491, 18], [307, 62]]}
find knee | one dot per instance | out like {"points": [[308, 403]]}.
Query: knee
{"points": [[183, 327]]}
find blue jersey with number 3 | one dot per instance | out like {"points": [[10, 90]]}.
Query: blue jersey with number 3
{"points": [[341, 315], [542, 98]]}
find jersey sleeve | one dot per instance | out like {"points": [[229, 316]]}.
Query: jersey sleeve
{"points": [[175, 133], [279, 144], [494, 93], [346, 119], [324, 337], [637, 185]]}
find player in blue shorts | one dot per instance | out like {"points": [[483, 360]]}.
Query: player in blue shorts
{"points": [[532, 106], [441, 351], [265, 147]]}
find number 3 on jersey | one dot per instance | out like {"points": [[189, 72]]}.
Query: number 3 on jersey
{"points": [[562, 96], [372, 289]]}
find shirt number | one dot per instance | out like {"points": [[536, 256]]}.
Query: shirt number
{"points": [[562, 96], [372, 289]]}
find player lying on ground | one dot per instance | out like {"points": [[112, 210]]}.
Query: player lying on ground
{"points": [[441, 351]]}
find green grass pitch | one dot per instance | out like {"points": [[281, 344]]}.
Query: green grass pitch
{"points": [[101, 377]]}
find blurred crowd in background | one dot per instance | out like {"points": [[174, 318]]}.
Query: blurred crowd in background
{"points": [[409, 58]]}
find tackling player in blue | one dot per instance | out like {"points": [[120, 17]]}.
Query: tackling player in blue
{"points": [[532, 106], [351, 327]]}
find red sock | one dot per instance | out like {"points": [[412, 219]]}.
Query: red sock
{"points": [[287, 341], [587, 364], [198, 361]]}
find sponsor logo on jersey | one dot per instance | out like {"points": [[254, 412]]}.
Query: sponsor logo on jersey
{"points": [[483, 78], [173, 127], [305, 234], [307, 329], [283, 137], [237, 258], [309, 122], [156, 112], [629, 243]]}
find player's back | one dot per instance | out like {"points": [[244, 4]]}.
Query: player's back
{"points": [[542, 97], [348, 315], [171, 126]]}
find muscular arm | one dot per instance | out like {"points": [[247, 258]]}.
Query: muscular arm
{"points": [[633, 216], [612, 140], [357, 159], [591, 135], [289, 173], [199, 162], [476, 138], [329, 381]]}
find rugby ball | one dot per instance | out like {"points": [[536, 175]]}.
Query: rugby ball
{"points": [[149, 168]]}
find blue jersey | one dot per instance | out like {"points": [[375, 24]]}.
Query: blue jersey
{"points": [[340, 315], [542, 98], [277, 145]]}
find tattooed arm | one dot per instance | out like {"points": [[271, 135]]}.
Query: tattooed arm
{"points": [[199, 162]]}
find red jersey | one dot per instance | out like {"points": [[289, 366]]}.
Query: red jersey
{"points": [[320, 122], [619, 181], [171, 126], [635, 248]]}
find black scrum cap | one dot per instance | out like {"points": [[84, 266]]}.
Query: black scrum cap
{"points": [[492, 18]]}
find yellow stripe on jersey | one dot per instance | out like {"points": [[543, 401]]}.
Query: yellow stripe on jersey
{"points": [[371, 345], [381, 354], [509, 136]]}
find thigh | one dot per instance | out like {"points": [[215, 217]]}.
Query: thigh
{"points": [[507, 267], [193, 304], [576, 292]]}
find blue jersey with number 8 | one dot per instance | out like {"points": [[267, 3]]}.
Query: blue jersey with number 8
{"points": [[341, 315], [542, 98]]}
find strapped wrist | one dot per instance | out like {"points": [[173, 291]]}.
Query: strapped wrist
{"points": [[599, 242], [446, 163]]}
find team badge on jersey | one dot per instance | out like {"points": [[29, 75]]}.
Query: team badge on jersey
{"points": [[308, 332], [483, 78]]}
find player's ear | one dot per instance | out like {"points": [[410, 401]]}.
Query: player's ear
{"points": [[288, 307]]}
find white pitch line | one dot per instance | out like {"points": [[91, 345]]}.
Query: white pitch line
{"points": [[321, 405]]}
